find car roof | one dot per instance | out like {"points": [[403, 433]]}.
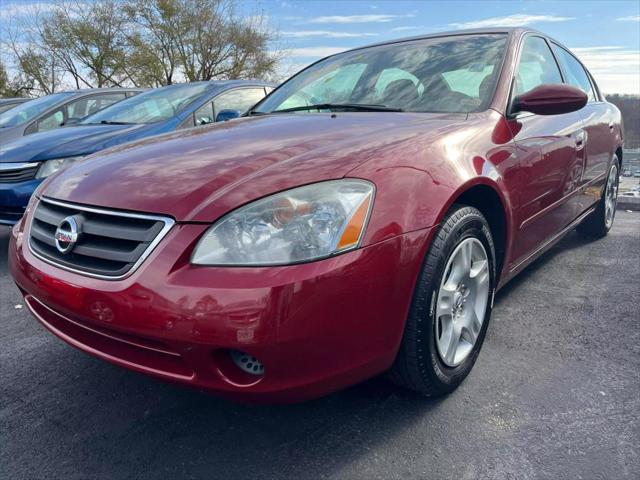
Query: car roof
{"points": [[227, 84], [239, 82], [14, 100], [516, 31], [85, 91]]}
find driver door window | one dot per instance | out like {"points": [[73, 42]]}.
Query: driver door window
{"points": [[537, 66]]}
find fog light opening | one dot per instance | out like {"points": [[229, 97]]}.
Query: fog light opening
{"points": [[247, 363]]}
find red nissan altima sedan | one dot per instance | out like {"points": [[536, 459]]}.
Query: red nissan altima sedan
{"points": [[358, 220]]}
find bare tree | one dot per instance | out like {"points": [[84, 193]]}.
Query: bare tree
{"points": [[36, 64], [154, 52], [40, 69], [12, 87], [4, 79], [251, 57], [139, 42], [88, 36], [203, 39]]}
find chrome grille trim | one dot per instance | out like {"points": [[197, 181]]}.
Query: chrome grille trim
{"points": [[16, 166], [18, 172], [167, 221]]}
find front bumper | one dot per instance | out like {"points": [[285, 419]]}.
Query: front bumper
{"points": [[316, 327], [14, 198]]}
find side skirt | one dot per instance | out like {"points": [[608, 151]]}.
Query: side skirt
{"points": [[518, 267]]}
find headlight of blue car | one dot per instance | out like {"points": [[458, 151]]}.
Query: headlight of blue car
{"points": [[50, 167]]}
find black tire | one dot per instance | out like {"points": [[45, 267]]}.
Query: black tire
{"points": [[418, 365], [596, 225]]}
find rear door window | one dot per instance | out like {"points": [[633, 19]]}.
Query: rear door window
{"points": [[574, 73]]}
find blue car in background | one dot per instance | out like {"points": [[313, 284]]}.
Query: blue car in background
{"points": [[25, 162]]}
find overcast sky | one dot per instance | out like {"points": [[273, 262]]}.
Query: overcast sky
{"points": [[604, 34]]}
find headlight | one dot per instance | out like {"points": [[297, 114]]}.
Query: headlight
{"points": [[52, 166], [299, 225]]}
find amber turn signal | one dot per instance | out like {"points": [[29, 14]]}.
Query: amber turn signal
{"points": [[352, 232]]}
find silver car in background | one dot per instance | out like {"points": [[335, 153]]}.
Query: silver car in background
{"points": [[9, 103], [56, 110]]}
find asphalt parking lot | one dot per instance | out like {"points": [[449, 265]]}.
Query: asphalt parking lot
{"points": [[555, 394]]}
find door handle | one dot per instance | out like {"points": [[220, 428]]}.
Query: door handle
{"points": [[611, 127], [580, 141]]}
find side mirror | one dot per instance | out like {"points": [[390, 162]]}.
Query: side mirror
{"points": [[550, 99], [225, 115], [71, 121]]}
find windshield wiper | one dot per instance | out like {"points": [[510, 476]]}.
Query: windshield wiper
{"points": [[109, 122], [253, 112], [362, 107]]}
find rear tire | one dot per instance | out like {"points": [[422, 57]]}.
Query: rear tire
{"points": [[598, 224], [448, 303]]}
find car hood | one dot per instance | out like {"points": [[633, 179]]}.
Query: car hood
{"points": [[66, 142], [200, 174]]}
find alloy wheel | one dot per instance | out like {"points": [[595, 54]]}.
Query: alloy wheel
{"points": [[462, 302]]}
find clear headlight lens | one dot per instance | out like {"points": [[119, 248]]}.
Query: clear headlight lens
{"points": [[50, 167], [299, 225]]}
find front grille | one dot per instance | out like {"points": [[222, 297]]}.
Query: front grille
{"points": [[110, 244], [18, 172]]}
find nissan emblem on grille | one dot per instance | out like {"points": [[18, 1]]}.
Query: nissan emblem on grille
{"points": [[67, 234]]}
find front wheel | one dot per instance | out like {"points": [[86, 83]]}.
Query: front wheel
{"points": [[451, 306], [599, 223]]}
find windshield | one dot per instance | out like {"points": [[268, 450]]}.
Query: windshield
{"points": [[149, 107], [448, 74], [26, 111]]}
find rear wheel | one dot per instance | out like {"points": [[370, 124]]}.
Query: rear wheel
{"points": [[451, 306], [599, 223]]}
